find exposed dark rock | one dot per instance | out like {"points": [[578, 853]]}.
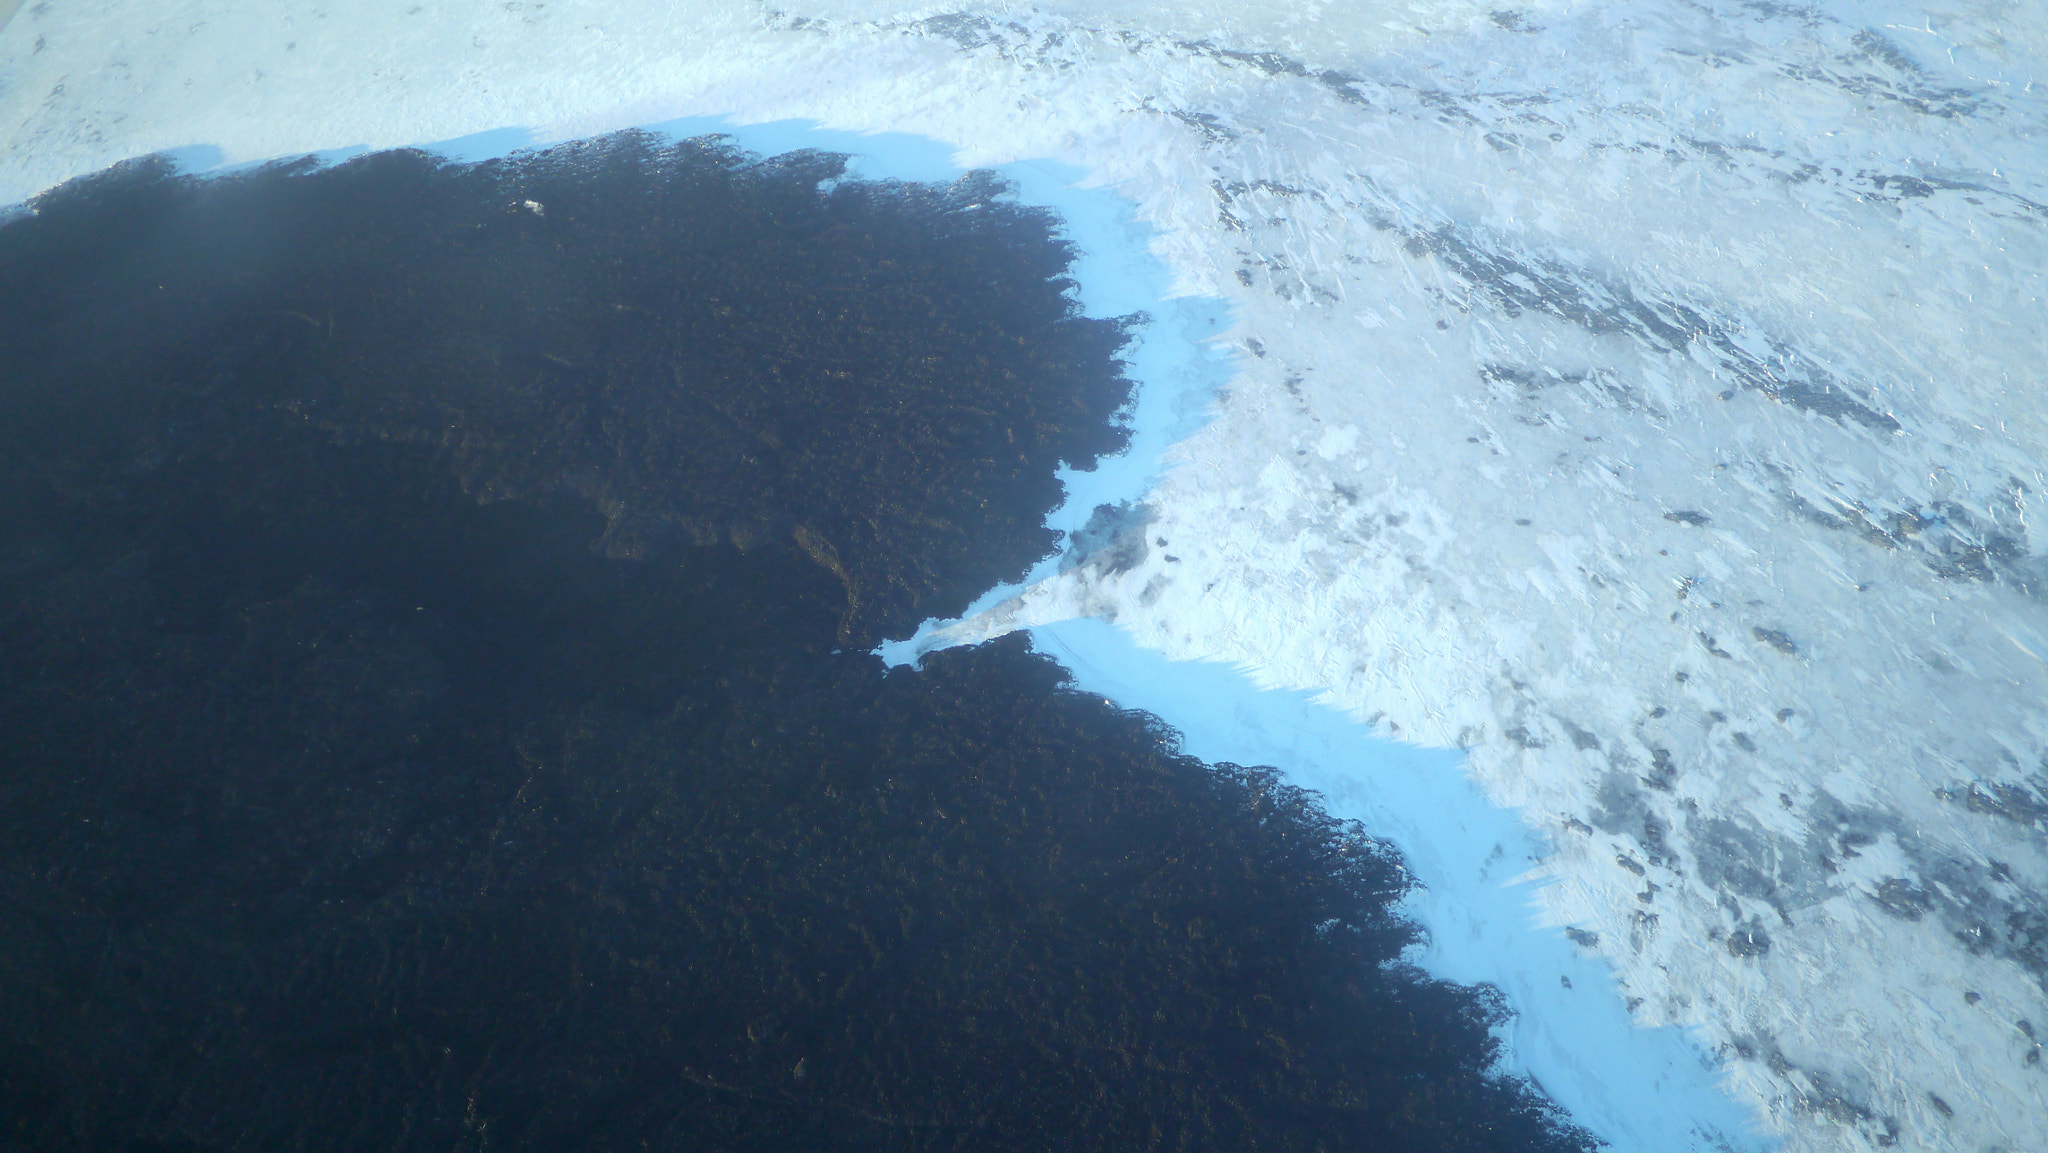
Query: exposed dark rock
{"points": [[1663, 775], [1518, 282], [1958, 892], [1113, 540], [1625, 809], [2023, 802], [1901, 898], [1581, 739], [1749, 940], [1747, 861], [1776, 639]]}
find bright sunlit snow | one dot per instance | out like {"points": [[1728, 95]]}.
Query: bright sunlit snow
{"points": [[1644, 398]]}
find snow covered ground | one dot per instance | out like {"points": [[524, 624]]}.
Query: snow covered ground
{"points": [[1646, 399]]}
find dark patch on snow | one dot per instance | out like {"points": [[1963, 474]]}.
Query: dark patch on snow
{"points": [[1208, 124], [1515, 283], [1626, 810], [1663, 773], [1581, 739], [1902, 898], [1777, 640], [1113, 540], [1962, 895], [1342, 85], [1749, 862], [1749, 940]]}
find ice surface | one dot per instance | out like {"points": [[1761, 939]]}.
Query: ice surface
{"points": [[1646, 399]]}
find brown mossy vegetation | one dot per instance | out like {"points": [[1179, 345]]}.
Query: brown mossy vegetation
{"points": [[437, 713]]}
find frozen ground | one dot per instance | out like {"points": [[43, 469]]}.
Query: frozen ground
{"points": [[1646, 399]]}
